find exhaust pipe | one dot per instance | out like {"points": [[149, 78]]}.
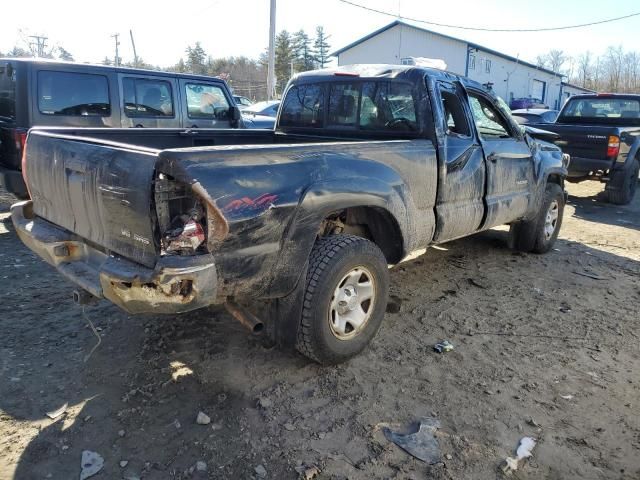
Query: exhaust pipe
{"points": [[246, 318], [82, 297]]}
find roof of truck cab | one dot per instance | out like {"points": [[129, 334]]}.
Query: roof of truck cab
{"points": [[99, 67], [377, 71]]}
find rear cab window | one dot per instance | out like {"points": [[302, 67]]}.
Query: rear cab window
{"points": [[147, 97], [7, 92], [74, 94], [373, 106], [602, 109], [206, 101]]}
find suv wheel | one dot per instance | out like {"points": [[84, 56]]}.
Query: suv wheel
{"points": [[540, 233], [345, 298], [625, 182]]}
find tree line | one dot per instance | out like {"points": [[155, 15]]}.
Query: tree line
{"points": [[615, 71], [295, 52]]}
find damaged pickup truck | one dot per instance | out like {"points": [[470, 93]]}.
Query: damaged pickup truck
{"points": [[368, 165]]}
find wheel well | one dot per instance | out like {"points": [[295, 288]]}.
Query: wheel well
{"points": [[555, 178], [372, 223]]}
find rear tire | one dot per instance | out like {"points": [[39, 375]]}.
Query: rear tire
{"points": [[540, 233], [625, 183], [345, 298]]}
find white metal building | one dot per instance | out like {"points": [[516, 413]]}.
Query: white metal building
{"points": [[399, 42]]}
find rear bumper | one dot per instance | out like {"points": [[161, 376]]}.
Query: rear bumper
{"points": [[13, 182], [176, 284], [580, 167]]}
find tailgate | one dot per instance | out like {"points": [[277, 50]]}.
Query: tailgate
{"points": [[98, 190], [582, 141]]}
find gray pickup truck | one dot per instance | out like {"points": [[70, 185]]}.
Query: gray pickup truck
{"points": [[368, 165]]}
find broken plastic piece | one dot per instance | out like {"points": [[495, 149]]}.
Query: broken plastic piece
{"points": [[188, 239], [92, 463], [56, 413], [524, 450], [420, 442], [443, 346]]}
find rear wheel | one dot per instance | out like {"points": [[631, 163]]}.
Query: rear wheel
{"points": [[540, 233], [345, 298], [624, 183]]}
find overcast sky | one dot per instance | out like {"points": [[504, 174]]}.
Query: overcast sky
{"points": [[164, 28]]}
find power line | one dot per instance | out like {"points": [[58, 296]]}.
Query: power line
{"points": [[481, 29]]}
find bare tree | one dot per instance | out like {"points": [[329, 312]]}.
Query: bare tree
{"points": [[584, 68]]}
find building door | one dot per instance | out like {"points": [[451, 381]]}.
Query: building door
{"points": [[538, 88]]}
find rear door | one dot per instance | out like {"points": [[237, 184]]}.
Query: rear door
{"points": [[204, 104], [510, 172], [149, 101]]}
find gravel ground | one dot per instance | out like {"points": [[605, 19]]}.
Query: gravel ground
{"points": [[545, 346]]}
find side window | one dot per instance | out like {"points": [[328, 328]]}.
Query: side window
{"points": [[147, 97], [388, 106], [343, 104], [489, 121], [455, 117], [303, 106], [76, 94], [206, 101]]}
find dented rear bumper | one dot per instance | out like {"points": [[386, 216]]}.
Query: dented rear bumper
{"points": [[176, 284]]}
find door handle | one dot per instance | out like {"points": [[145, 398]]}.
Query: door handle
{"points": [[493, 158]]}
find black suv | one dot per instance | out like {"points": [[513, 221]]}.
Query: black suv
{"points": [[35, 92]]}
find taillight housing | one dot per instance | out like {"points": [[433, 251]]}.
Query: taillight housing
{"points": [[189, 223], [20, 139], [613, 146]]}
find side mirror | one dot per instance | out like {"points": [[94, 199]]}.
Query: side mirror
{"points": [[235, 116]]}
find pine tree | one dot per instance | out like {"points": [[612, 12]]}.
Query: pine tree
{"points": [[321, 47], [64, 55], [196, 59], [302, 52], [284, 57]]}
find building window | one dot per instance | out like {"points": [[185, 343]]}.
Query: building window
{"points": [[472, 62], [408, 61], [487, 66]]}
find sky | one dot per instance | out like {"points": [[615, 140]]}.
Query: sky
{"points": [[163, 29]]}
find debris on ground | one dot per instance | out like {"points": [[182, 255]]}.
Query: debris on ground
{"points": [[308, 473], [201, 466], [566, 397], [124, 463], [420, 441], [443, 346], [261, 471], [59, 411], [91, 464], [203, 419], [121, 433], [524, 451]]}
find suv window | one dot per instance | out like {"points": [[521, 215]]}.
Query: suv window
{"points": [[66, 93], [206, 101], [147, 97], [7, 91], [303, 107], [388, 106], [489, 121]]}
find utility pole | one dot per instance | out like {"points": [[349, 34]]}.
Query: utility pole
{"points": [[135, 54], [38, 45], [271, 69], [117, 62]]}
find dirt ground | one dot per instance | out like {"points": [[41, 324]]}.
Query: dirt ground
{"points": [[545, 346]]}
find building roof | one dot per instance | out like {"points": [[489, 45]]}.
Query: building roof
{"points": [[470, 44], [578, 87]]}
